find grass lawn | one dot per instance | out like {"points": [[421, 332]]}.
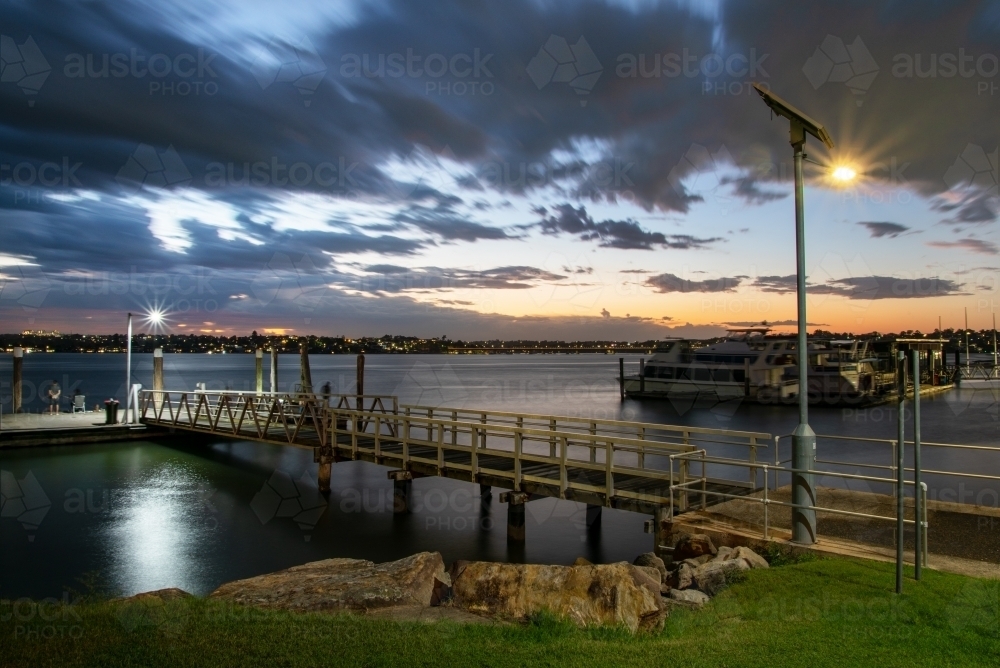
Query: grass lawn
{"points": [[828, 612]]}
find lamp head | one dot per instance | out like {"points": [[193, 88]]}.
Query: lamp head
{"points": [[801, 124]]}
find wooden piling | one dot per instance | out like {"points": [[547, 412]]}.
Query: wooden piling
{"points": [[361, 380], [621, 377], [515, 515], [305, 375], [402, 491], [746, 376], [593, 516], [17, 384], [485, 491], [642, 375], [274, 369], [259, 370], [157, 379], [325, 473]]}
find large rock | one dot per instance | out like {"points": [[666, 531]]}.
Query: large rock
{"points": [[650, 559], [692, 546], [691, 596], [711, 577], [753, 559], [342, 584], [682, 578], [606, 594]]}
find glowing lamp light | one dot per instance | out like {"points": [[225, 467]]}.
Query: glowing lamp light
{"points": [[844, 174], [155, 317]]}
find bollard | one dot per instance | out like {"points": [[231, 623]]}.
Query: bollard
{"points": [[274, 370], [515, 515], [485, 491], [259, 370], [157, 380], [17, 386]]}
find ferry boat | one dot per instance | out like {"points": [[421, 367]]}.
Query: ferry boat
{"points": [[744, 365], [845, 371]]}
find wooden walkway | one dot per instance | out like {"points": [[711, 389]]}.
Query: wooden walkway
{"points": [[610, 463]]}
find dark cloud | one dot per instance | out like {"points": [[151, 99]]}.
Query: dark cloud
{"points": [[773, 323], [625, 234], [888, 287], [884, 229], [865, 287], [969, 244], [778, 284], [389, 279], [672, 283]]}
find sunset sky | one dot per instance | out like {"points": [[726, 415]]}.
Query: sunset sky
{"points": [[516, 169]]}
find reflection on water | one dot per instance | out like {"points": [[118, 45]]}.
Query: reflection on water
{"points": [[159, 528], [144, 516]]}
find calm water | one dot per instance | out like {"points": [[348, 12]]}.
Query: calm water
{"points": [[140, 516]]}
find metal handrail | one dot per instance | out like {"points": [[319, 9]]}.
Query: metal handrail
{"points": [[701, 456]]}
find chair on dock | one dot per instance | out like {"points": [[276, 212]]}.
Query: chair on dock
{"points": [[79, 403]]}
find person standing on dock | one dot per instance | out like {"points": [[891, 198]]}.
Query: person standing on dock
{"points": [[55, 392]]}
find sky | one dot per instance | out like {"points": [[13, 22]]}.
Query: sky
{"points": [[481, 170]]}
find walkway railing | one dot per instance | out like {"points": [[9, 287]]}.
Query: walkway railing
{"points": [[611, 462]]}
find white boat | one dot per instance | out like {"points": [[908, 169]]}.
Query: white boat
{"points": [[744, 365]]}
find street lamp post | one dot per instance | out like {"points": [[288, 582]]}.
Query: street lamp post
{"points": [[128, 372], [803, 438]]}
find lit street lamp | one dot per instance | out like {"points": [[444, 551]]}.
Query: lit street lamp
{"points": [[804, 438], [128, 371]]}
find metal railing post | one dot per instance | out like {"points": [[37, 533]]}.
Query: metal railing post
{"points": [[766, 536], [753, 460], [609, 477]]}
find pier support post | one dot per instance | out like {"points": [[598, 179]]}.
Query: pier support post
{"points": [[259, 371], [305, 374], [157, 380], [360, 386], [325, 459], [274, 370], [593, 517], [515, 515], [621, 377], [485, 491], [642, 375], [402, 491], [17, 384]]}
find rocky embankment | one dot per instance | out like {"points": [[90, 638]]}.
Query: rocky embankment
{"points": [[638, 596]]}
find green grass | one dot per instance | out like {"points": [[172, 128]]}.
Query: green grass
{"points": [[828, 612]]}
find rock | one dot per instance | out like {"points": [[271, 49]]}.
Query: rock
{"points": [[650, 559], [653, 574], [698, 561], [162, 595], [711, 577], [690, 596], [683, 577], [342, 584], [723, 553], [580, 561], [606, 594], [163, 609], [753, 559], [692, 546]]}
